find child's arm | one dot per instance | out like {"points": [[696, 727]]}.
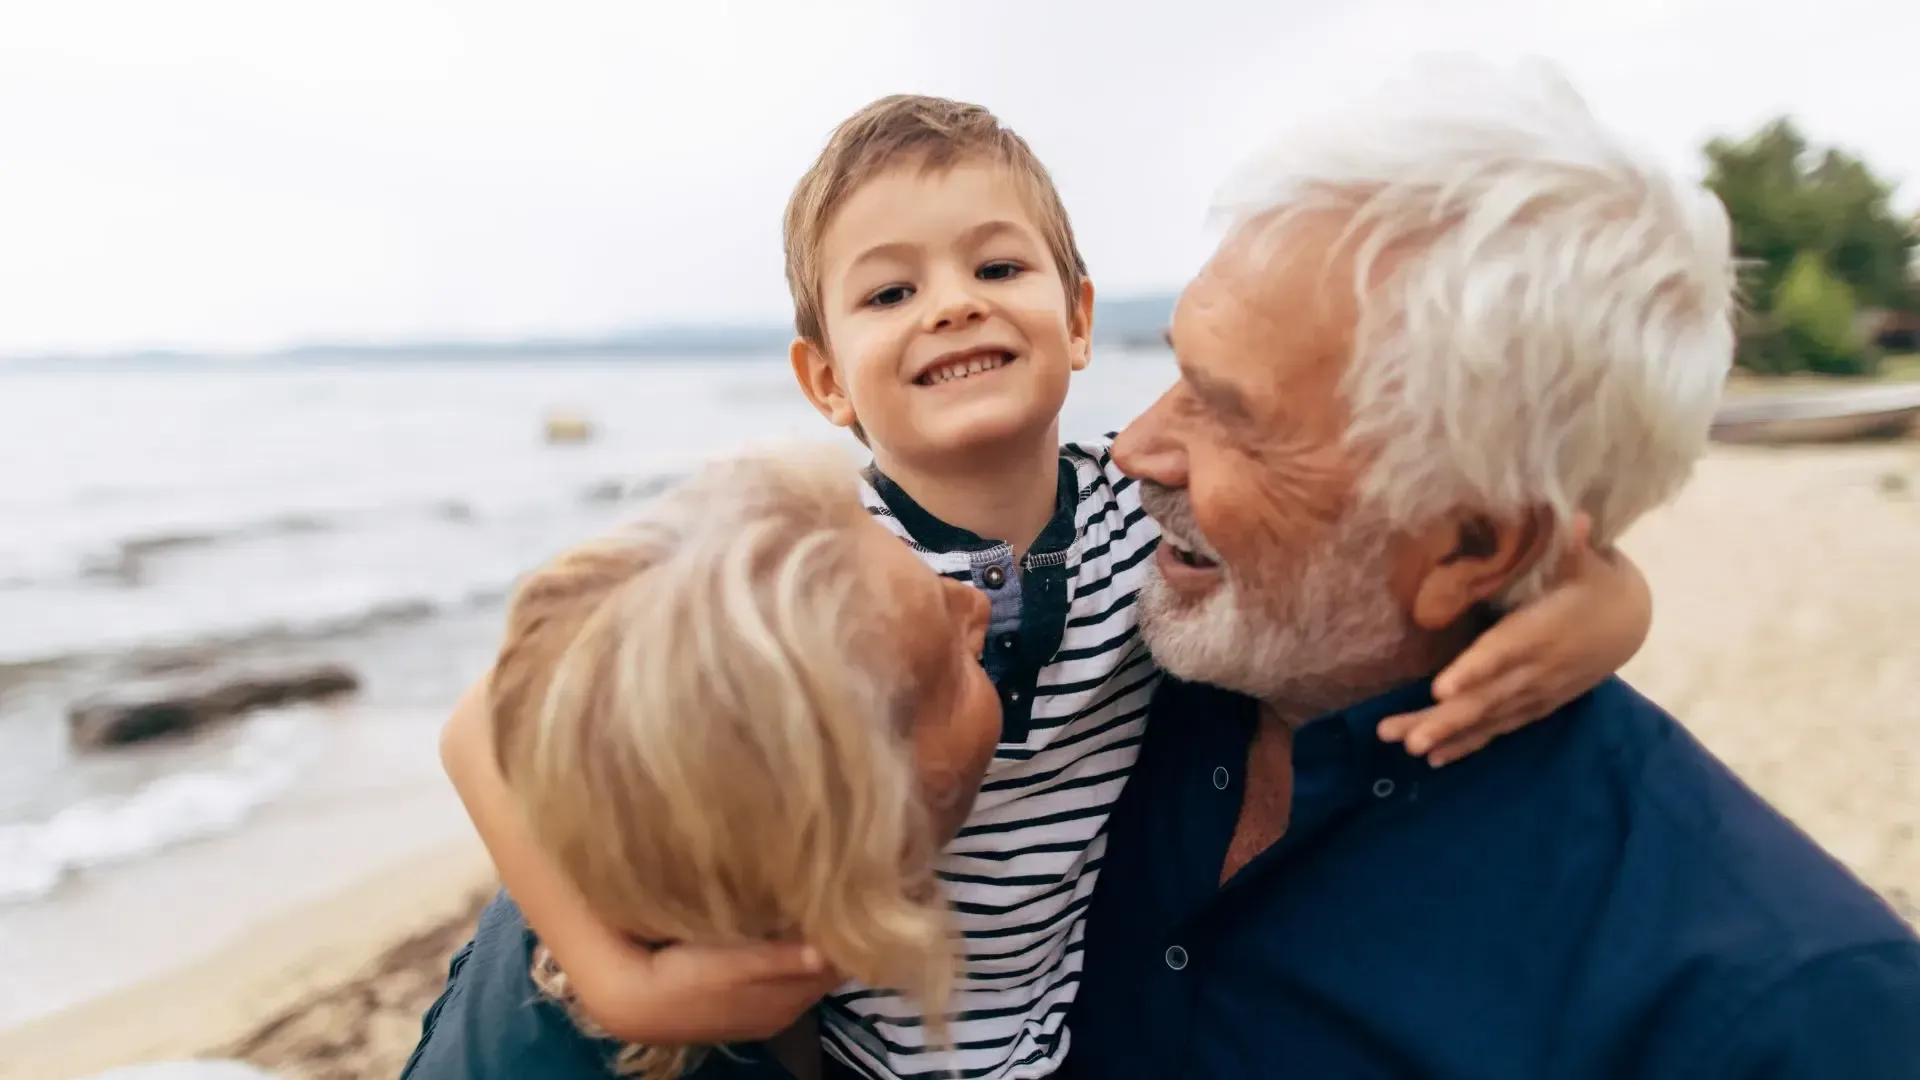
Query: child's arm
{"points": [[1535, 659], [675, 995]]}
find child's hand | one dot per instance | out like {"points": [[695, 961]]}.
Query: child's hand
{"points": [[703, 995], [1536, 659], [679, 995]]}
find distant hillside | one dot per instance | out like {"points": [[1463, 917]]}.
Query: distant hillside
{"points": [[1133, 320]]}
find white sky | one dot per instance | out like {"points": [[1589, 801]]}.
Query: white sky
{"points": [[238, 174]]}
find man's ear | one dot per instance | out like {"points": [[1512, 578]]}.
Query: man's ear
{"points": [[821, 383], [1464, 560], [1080, 327]]}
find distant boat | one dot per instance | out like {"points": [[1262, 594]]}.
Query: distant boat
{"points": [[1880, 412]]}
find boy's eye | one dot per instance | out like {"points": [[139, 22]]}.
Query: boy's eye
{"points": [[889, 296], [998, 271]]}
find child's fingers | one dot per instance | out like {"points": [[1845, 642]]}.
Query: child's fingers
{"points": [[769, 961], [1460, 746], [1491, 655], [1578, 550], [687, 969], [1496, 708], [1398, 728], [1580, 531], [1449, 721], [703, 994]]}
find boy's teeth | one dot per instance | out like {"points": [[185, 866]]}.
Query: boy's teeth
{"points": [[971, 366]]}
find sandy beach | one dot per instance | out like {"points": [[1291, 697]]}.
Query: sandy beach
{"points": [[1786, 603]]}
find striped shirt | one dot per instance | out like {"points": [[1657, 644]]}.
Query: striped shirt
{"points": [[1074, 682]]}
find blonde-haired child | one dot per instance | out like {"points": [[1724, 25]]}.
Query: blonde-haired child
{"points": [[750, 714]]}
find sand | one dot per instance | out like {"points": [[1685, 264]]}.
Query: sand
{"points": [[1787, 636], [331, 990], [1787, 606]]}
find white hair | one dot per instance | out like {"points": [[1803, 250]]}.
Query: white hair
{"points": [[1552, 323]]}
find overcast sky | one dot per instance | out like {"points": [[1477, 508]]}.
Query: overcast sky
{"points": [[236, 174]]}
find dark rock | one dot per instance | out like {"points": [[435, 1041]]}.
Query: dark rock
{"points": [[156, 708], [623, 489]]}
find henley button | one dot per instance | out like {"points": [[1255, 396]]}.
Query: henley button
{"points": [[1382, 788], [1220, 778], [1176, 957]]}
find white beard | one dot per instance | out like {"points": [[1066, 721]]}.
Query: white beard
{"points": [[1315, 637]]}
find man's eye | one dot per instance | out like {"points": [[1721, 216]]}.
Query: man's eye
{"points": [[998, 271], [889, 296]]}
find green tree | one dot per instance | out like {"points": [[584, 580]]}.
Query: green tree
{"points": [[1786, 199], [1816, 315]]}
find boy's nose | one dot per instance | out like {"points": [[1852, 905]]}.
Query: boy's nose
{"points": [[955, 307]]}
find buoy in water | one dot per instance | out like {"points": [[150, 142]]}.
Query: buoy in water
{"points": [[565, 427]]}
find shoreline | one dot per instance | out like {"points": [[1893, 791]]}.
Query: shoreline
{"points": [[363, 793], [346, 960]]}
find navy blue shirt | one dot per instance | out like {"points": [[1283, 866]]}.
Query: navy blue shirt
{"points": [[1593, 896]]}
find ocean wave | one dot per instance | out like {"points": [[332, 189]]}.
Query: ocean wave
{"points": [[126, 560], [194, 651], [35, 857]]}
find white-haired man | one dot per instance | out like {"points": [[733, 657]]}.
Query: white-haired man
{"points": [[1438, 329]]}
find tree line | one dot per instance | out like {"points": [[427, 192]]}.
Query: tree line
{"points": [[1829, 262]]}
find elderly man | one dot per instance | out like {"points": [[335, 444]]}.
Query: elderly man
{"points": [[1438, 329]]}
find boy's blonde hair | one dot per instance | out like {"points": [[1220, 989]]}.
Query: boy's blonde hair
{"points": [[934, 133], [705, 719]]}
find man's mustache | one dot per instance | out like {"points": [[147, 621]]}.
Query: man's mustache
{"points": [[1173, 511]]}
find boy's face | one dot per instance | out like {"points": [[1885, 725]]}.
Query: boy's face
{"points": [[947, 327]]}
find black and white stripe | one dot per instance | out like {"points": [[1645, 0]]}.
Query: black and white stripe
{"points": [[1023, 868]]}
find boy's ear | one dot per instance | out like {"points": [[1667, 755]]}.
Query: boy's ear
{"points": [[1453, 566], [1080, 328], [821, 383]]}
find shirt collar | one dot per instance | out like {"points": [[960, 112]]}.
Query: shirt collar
{"points": [[936, 535], [1339, 752], [1339, 756]]}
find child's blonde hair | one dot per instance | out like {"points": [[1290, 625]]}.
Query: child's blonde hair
{"points": [[705, 717]]}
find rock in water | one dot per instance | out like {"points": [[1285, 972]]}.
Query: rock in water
{"points": [[147, 710]]}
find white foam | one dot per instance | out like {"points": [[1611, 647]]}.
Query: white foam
{"points": [[173, 809]]}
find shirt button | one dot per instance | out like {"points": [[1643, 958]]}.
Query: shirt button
{"points": [[1013, 695], [994, 576], [1176, 957], [1382, 788], [1220, 778], [1008, 641]]}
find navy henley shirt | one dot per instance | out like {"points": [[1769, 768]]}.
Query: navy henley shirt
{"points": [[1593, 896]]}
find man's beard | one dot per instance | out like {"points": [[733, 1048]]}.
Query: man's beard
{"points": [[1319, 635]]}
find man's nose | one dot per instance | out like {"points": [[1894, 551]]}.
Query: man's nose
{"points": [[1151, 448]]}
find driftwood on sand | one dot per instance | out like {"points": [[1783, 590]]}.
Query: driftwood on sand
{"points": [[155, 708]]}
